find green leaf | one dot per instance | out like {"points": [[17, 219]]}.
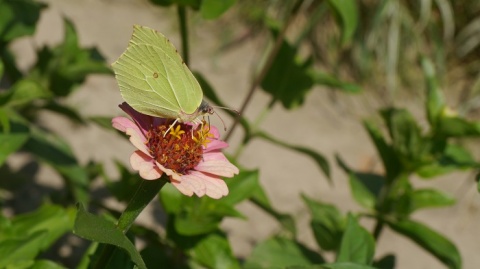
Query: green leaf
{"points": [[427, 198], [100, 230], [4, 121], [453, 158], [203, 215], [193, 215], [18, 18], [357, 244], [212, 9], [435, 99], [214, 251], [406, 137], [325, 79], [62, 68], [327, 223], [454, 126], [280, 253], [391, 162], [241, 187], [22, 248], [155, 254], [364, 187], [171, 199], [347, 15], [24, 92], [318, 158], [53, 219], [10, 143], [386, 262], [119, 259], [430, 240], [66, 111], [288, 79], [104, 122]]}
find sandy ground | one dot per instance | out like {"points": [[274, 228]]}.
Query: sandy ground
{"points": [[324, 124]]}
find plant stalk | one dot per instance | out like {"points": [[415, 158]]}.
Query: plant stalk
{"points": [[182, 20], [144, 194]]}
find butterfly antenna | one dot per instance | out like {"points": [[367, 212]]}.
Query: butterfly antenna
{"points": [[224, 126], [228, 108]]}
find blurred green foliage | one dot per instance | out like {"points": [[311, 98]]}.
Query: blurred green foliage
{"points": [[345, 46]]}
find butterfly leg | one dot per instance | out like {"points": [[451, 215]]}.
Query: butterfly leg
{"points": [[170, 127]]}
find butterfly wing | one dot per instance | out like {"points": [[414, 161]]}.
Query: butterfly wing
{"points": [[153, 78]]}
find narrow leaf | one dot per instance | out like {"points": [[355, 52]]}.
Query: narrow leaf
{"points": [[427, 198], [318, 158], [390, 160], [435, 99], [364, 187], [430, 240], [347, 15], [325, 79], [212, 9]]}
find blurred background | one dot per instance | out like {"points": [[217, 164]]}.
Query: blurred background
{"points": [[364, 59]]}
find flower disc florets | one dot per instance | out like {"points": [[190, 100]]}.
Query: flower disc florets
{"points": [[180, 148]]}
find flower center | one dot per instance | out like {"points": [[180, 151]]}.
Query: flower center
{"points": [[181, 149]]}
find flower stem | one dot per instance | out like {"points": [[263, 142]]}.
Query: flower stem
{"points": [[182, 19], [146, 191], [144, 194], [268, 63]]}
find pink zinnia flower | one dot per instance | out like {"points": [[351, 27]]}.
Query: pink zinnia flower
{"points": [[189, 154]]}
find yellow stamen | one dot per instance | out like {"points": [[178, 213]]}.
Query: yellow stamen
{"points": [[176, 132]]}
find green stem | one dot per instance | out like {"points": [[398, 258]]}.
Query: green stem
{"points": [[146, 191], [144, 194], [378, 229], [268, 63], [182, 19], [254, 128]]}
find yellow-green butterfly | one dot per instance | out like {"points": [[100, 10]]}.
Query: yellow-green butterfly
{"points": [[154, 80]]}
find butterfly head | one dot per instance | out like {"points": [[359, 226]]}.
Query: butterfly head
{"points": [[205, 108]]}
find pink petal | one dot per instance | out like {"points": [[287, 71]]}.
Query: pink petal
{"points": [[215, 163], [216, 188], [138, 140], [172, 174], [143, 120], [214, 156], [183, 188], [122, 123], [214, 131], [215, 145], [194, 183], [144, 165]]}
